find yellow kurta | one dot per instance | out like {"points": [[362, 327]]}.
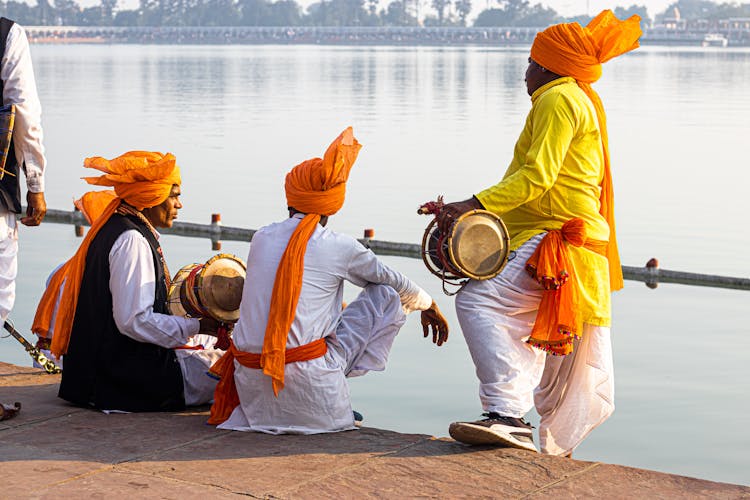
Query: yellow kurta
{"points": [[554, 176]]}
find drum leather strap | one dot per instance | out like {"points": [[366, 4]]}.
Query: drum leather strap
{"points": [[226, 398]]}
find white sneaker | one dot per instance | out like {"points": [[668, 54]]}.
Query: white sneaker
{"points": [[495, 430]]}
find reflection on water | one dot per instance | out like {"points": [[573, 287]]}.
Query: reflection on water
{"points": [[444, 121]]}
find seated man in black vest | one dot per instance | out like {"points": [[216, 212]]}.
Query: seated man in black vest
{"points": [[119, 343]]}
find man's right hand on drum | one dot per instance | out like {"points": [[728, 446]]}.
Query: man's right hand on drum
{"points": [[209, 326], [452, 211]]}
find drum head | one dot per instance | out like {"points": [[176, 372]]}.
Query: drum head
{"points": [[222, 280], [174, 301], [478, 244]]}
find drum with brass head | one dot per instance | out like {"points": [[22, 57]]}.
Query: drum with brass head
{"points": [[174, 301], [476, 247], [213, 289]]}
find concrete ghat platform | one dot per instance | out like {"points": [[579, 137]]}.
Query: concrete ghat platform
{"points": [[54, 449]]}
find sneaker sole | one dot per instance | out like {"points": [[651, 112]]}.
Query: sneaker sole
{"points": [[475, 434]]}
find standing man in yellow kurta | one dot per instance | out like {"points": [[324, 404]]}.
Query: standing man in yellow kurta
{"points": [[539, 332]]}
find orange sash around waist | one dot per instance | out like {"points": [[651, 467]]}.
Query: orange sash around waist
{"points": [[558, 320], [226, 398]]}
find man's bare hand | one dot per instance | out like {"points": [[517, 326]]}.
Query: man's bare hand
{"points": [[452, 211], [433, 319], [36, 207], [209, 326]]}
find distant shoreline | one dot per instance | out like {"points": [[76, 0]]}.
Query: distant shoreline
{"points": [[310, 35]]}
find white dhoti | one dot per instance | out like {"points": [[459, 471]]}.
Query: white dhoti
{"points": [[198, 386], [315, 398], [8, 261], [367, 329], [576, 392], [573, 394]]}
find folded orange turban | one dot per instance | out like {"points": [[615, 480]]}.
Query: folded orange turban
{"points": [[140, 178], [572, 50], [315, 187], [93, 204]]}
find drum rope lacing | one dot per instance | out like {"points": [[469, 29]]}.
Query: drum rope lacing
{"points": [[441, 255], [434, 208]]}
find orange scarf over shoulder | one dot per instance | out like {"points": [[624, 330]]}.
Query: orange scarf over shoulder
{"points": [[315, 187], [572, 50], [142, 179]]}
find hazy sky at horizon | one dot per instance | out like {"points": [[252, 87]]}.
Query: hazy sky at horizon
{"points": [[564, 7]]}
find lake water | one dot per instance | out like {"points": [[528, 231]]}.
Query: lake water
{"points": [[444, 121]]}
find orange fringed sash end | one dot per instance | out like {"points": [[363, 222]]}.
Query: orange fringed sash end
{"points": [[558, 321], [226, 398]]}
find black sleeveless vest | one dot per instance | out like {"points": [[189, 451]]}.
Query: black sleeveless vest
{"points": [[10, 189], [104, 368]]}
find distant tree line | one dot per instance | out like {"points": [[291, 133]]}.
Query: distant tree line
{"points": [[327, 13]]}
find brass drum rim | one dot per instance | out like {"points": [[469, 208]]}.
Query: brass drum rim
{"points": [[174, 289], [207, 301], [505, 237], [446, 274]]}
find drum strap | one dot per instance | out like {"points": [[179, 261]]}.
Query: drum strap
{"points": [[226, 398]]}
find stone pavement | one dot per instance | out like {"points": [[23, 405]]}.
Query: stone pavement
{"points": [[54, 449]]}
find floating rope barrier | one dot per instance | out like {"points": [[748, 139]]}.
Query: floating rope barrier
{"points": [[651, 274]]}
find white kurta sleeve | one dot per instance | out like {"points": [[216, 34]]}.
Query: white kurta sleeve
{"points": [[19, 88], [132, 284], [364, 267]]}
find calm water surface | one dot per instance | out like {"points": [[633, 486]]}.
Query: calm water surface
{"points": [[444, 121]]}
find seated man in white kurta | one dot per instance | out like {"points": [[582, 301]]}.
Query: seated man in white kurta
{"points": [[291, 356]]}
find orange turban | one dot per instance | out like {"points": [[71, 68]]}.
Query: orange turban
{"points": [[93, 204], [143, 179], [572, 50], [315, 187]]}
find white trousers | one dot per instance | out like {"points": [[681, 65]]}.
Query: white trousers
{"points": [[573, 394], [8, 262], [368, 328], [198, 387], [315, 398]]}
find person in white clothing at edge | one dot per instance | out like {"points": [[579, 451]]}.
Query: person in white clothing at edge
{"points": [[120, 345], [294, 346], [25, 152]]}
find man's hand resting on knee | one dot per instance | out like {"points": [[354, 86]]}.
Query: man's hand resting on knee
{"points": [[432, 317]]}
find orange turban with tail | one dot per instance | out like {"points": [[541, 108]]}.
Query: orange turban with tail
{"points": [[93, 204], [315, 187], [140, 178], [572, 50]]}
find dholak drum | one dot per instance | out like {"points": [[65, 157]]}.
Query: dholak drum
{"points": [[213, 289], [476, 247], [173, 299]]}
